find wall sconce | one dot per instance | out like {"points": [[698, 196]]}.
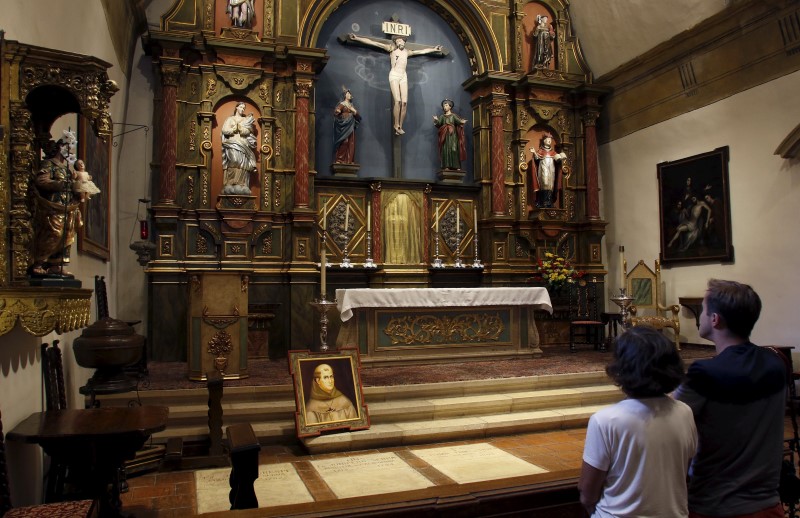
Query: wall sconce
{"points": [[144, 248]]}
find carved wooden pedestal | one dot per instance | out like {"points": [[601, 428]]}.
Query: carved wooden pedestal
{"points": [[218, 325]]}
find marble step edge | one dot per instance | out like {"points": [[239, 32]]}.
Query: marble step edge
{"points": [[416, 409], [377, 393], [409, 432]]}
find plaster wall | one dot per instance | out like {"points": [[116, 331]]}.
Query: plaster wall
{"points": [[78, 27], [764, 190]]}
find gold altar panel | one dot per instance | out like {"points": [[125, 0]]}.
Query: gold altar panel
{"points": [[441, 334], [402, 226]]}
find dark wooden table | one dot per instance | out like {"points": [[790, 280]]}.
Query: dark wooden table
{"points": [[93, 443]]}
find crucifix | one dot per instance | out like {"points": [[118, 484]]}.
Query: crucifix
{"points": [[399, 51]]}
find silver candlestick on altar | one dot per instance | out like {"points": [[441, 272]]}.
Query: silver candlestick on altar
{"points": [[345, 258], [623, 300], [323, 306], [437, 261], [368, 262], [458, 263], [477, 262]]}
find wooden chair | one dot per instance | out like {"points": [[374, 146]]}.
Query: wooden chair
{"points": [[644, 285], [585, 326], [55, 399], [56, 510], [53, 375]]}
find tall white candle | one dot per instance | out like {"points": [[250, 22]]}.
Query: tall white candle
{"points": [[475, 219], [622, 265], [325, 217], [369, 216], [458, 220], [437, 217], [347, 218]]}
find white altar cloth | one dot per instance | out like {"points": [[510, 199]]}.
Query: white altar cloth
{"points": [[350, 299]]}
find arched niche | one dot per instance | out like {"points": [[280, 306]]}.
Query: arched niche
{"points": [[222, 111], [48, 83], [480, 42]]}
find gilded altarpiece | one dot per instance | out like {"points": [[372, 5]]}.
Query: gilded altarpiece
{"points": [[206, 67]]}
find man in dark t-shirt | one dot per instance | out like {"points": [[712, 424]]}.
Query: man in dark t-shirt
{"points": [[738, 401]]}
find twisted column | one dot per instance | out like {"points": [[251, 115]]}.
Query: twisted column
{"points": [[170, 75], [497, 109], [592, 182], [301, 150]]}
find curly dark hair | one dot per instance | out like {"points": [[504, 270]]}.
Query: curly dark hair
{"points": [[646, 363]]}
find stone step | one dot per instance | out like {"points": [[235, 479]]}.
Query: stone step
{"points": [[403, 414], [456, 429]]}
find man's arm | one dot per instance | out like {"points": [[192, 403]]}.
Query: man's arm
{"points": [[437, 49], [590, 486], [369, 42], [689, 396]]}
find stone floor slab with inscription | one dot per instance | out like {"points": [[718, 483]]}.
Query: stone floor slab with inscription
{"points": [[277, 484], [369, 474], [476, 462]]}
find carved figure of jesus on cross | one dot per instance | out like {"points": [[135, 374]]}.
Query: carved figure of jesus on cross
{"points": [[399, 52]]}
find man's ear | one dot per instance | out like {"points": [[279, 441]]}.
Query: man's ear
{"points": [[717, 322]]}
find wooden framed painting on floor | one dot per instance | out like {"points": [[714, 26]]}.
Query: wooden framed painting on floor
{"points": [[327, 390], [694, 207]]}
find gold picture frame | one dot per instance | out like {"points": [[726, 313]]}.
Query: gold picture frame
{"points": [[327, 390]]}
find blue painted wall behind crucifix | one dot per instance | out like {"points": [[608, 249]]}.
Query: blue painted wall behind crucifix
{"points": [[365, 72]]}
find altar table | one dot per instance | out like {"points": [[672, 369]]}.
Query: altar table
{"points": [[94, 443], [413, 324]]}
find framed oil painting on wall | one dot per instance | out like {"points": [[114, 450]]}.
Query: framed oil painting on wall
{"points": [[327, 390], [694, 203], [94, 237]]}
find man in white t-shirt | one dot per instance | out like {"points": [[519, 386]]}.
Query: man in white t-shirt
{"points": [[637, 452]]}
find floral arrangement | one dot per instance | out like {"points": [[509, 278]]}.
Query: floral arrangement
{"points": [[556, 271]]}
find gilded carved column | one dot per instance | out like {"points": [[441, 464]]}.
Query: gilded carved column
{"points": [[170, 75], [19, 217], [377, 217], [497, 109], [592, 183], [301, 149]]}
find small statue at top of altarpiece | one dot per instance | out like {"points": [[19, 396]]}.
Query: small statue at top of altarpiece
{"points": [[241, 13], [543, 36]]}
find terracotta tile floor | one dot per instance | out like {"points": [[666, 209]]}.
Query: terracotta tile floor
{"points": [[173, 494]]}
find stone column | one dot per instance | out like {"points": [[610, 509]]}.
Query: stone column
{"points": [[170, 75], [590, 152], [301, 149], [497, 109]]}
